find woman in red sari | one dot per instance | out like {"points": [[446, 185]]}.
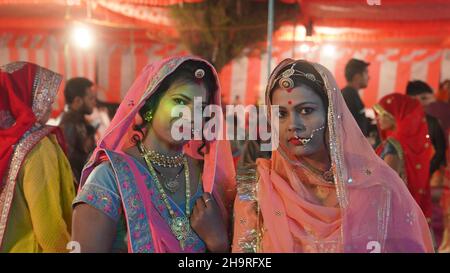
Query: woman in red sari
{"points": [[406, 145]]}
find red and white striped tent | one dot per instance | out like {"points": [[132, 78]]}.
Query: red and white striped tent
{"points": [[402, 40]]}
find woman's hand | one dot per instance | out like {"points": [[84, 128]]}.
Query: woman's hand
{"points": [[207, 222]]}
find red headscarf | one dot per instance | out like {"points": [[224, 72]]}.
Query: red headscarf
{"points": [[16, 115], [27, 93], [411, 131], [22, 104]]}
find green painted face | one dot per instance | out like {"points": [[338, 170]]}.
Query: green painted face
{"points": [[177, 94]]}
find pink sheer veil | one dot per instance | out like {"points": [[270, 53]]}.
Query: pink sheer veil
{"points": [[378, 212]]}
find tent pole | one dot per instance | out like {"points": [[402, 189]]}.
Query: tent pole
{"points": [[269, 37]]}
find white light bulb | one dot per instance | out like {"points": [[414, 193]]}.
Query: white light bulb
{"points": [[329, 50], [82, 37]]}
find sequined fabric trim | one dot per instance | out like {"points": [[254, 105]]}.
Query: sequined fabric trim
{"points": [[381, 111], [139, 235], [45, 87], [12, 67], [165, 70], [336, 149], [21, 149], [383, 215], [249, 241], [247, 189], [246, 184]]}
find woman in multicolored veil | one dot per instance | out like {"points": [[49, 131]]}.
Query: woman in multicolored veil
{"points": [[324, 188], [36, 182], [144, 188]]}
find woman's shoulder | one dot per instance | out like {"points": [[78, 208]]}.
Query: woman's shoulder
{"points": [[47, 143], [103, 176], [104, 168], [44, 150], [100, 191]]}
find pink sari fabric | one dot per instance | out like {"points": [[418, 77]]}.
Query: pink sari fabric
{"points": [[218, 172], [374, 210], [307, 219]]}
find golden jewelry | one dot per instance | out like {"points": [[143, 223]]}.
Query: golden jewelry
{"points": [[180, 225], [164, 160]]}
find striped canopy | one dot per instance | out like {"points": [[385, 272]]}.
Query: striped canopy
{"points": [[402, 39]]}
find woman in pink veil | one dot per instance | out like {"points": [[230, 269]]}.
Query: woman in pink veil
{"points": [[324, 188], [144, 188]]}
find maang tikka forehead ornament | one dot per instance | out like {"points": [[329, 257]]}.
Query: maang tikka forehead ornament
{"points": [[285, 79], [199, 73]]}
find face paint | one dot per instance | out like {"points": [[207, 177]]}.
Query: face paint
{"points": [[176, 95]]}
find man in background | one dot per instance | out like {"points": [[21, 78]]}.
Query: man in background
{"points": [[79, 134], [357, 76]]}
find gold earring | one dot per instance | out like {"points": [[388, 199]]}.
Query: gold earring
{"points": [[148, 116]]}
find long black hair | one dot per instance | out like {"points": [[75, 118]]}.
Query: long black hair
{"points": [[185, 73]]}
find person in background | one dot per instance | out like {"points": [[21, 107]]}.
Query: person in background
{"points": [[36, 183], [438, 119], [443, 93], [434, 107], [423, 92], [357, 76], [405, 145], [109, 107], [99, 119], [81, 100]]}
